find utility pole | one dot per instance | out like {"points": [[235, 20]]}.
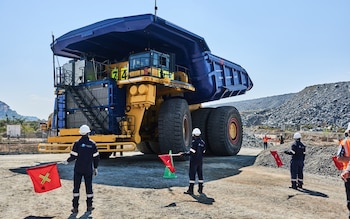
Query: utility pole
{"points": [[155, 9]]}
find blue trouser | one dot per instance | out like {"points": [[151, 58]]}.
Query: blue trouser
{"points": [[88, 187], [196, 168], [296, 171]]}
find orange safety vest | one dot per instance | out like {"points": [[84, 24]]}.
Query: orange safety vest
{"points": [[265, 138], [345, 143]]}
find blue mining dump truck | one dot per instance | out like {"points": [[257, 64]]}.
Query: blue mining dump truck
{"points": [[139, 83]]}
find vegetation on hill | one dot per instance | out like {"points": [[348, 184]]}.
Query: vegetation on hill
{"points": [[28, 128]]}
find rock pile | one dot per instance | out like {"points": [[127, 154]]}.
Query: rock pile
{"points": [[318, 159], [325, 104], [318, 105]]}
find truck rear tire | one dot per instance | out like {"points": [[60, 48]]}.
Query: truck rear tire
{"points": [[200, 120], [174, 126], [225, 132]]}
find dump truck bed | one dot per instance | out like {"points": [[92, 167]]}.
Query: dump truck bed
{"points": [[115, 39]]}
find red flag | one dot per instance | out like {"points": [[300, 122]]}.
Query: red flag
{"points": [[337, 163], [166, 158], [45, 177], [277, 158]]}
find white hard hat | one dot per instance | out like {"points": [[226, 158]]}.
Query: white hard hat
{"points": [[84, 129], [196, 132], [348, 129], [297, 135]]}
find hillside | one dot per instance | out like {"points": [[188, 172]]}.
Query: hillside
{"points": [[325, 104], [7, 113], [317, 105], [264, 103]]}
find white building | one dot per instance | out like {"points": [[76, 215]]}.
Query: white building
{"points": [[13, 130]]}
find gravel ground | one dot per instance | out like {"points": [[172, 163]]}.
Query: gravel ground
{"points": [[248, 185]]}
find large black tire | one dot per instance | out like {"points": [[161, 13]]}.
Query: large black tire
{"points": [[154, 146], [174, 126], [144, 147], [200, 120], [105, 155], [225, 132]]}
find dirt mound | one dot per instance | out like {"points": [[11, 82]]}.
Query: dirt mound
{"points": [[318, 159], [319, 151]]}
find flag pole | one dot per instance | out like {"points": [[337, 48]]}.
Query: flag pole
{"points": [[172, 155]]}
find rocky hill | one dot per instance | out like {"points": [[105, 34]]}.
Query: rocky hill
{"points": [[7, 113], [318, 106], [264, 103]]}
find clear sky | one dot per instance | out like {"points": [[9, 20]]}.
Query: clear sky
{"points": [[285, 45]]}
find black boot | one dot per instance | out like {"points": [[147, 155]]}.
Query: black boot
{"points": [[75, 205], [89, 204], [74, 210], [300, 184], [190, 189], [294, 185], [200, 188]]}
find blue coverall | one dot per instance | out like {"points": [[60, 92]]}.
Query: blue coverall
{"points": [[297, 163], [87, 157], [196, 164]]}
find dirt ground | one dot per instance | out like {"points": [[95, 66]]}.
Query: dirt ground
{"points": [[133, 186]]}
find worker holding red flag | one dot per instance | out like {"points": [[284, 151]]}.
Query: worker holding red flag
{"points": [[343, 156], [87, 157], [265, 140], [297, 162], [196, 161]]}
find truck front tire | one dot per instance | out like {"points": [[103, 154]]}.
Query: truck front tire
{"points": [[174, 126]]}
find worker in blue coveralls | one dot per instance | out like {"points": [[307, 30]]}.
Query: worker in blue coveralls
{"points": [[297, 162], [87, 157], [196, 161]]}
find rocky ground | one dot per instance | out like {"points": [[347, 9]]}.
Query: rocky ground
{"points": [[249, 185]]}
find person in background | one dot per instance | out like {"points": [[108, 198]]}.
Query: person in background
{"points": [[265, 140], [343, 156], [281, 139], [297, 162], [87, 157], [196, 161]]}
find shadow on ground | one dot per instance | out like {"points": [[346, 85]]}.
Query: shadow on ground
{"points": [[309, 192], [38, 217], [202, 198], [147, 171]]}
